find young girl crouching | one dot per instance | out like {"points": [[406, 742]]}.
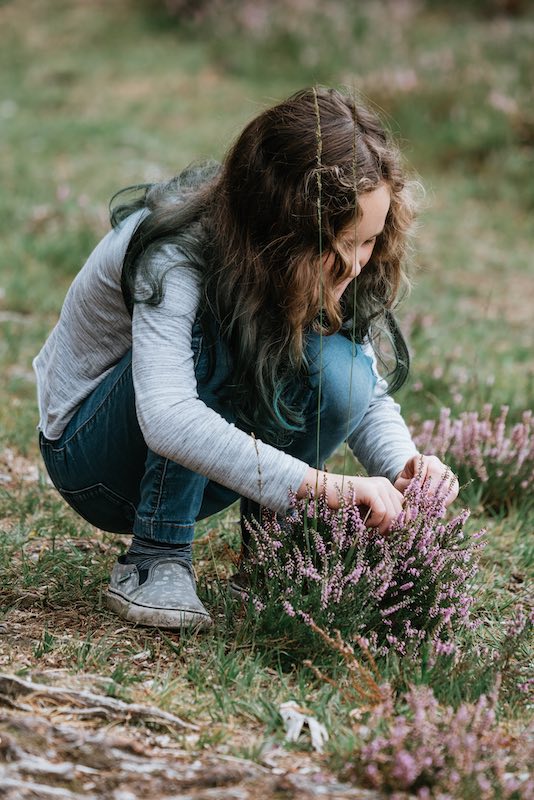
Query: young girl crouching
{"points": [[219, 343]]}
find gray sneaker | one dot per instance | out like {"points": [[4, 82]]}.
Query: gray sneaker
{"points": [[167, 598]]}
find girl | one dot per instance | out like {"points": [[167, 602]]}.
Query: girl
{"points": [[220, 343]]}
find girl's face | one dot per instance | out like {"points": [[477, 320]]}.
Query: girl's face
{"points": [[357, 242]]}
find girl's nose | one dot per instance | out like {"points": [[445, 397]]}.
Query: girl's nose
{"points": [[361, 260]]}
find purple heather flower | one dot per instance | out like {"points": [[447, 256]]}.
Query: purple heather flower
{"points": [[258, 604], [288, 608], [432, 750], [499, 455], [329, 566], [405, 769]]}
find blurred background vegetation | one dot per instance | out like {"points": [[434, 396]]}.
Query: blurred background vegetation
{"points": [[95, 96]]}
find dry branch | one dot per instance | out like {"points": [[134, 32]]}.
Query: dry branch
{"points": [[87, 703]]}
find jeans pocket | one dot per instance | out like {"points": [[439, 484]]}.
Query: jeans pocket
{"points": [[102, 507]]}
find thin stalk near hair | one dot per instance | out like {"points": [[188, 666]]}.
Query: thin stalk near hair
{"points": [[353, 332], [321, 280]]}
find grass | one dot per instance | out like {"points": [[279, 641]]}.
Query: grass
{"points": [[85, 112]]}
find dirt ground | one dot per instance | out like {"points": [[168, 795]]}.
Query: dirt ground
{"points": [[60, 742]]}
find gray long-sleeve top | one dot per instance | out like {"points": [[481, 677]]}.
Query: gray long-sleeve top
{"points": [[95, 330]]}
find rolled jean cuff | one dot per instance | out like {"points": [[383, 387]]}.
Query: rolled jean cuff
{"points": [[164, 531]]}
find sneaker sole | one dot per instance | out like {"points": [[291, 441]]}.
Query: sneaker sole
{"points": [[156, 617]]}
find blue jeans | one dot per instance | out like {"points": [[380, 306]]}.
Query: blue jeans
{"points": [[102, 467]]}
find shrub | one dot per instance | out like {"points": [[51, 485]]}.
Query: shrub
{"points": [[435, 752], [486, 449], [324, 567]]}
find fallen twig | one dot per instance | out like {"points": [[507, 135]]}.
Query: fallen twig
{"points": [[28, 789], [12, 686]]}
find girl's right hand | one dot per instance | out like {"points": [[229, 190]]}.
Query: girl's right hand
{"points": [[382, 498]]}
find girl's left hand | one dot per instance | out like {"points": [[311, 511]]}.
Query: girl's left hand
{"points": [[431, 469]]}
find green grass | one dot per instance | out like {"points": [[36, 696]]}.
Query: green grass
{"points": [[84, 112]]}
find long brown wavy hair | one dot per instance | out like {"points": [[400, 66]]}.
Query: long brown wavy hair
{"points": [[258, 228]]}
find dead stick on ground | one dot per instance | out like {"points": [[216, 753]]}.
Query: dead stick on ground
{"points": [[11, 686], [27, 789]]}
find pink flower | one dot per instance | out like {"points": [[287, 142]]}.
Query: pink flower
{"points": [[486, 448], [405, 588]]}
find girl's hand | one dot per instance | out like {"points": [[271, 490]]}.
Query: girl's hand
{"points": [[378, 494], [432, 469]]}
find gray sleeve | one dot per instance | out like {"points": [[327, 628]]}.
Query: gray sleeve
{"points": [[382, 441], [176, 423]]}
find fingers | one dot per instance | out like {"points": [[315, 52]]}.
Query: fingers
{"points": [[453, 492], [383, 499], [436, 473], [432, 472], [401, 484]]}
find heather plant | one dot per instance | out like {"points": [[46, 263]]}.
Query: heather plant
{"points": [[435, 752], [325, 568], [486, 450], [409, 744]]}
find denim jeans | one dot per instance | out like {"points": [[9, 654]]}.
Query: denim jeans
{"points": [[102, 467]]}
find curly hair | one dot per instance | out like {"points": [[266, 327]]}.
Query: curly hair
{"points": [[258, 228]]}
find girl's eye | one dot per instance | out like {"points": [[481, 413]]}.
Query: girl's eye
{"points": [[371, 241]]}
